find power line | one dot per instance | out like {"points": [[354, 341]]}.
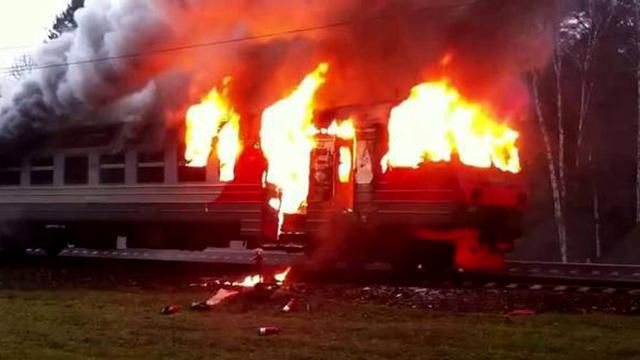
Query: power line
{"points": [[18, 47], [215, 43]]}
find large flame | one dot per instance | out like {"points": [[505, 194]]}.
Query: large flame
{"points": [[213, 117], [287, 140], [435, 122], [229, 148]]}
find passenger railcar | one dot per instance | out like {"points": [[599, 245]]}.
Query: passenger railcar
{"points": [[87, 187]]}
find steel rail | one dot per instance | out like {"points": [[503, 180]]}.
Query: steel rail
{"points": [[527, 273]]}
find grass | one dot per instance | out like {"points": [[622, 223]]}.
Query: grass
{"points": [[74, 324]]}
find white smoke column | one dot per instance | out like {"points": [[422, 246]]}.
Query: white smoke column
{"points": [[56, 92]]}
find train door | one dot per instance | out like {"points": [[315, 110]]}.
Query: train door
{"points": [[331, 192], [332, 175]]}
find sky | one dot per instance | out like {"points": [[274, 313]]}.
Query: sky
{"points": [[25, 24]]}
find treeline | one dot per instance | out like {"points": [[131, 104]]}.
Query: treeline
{"points": [[581, 147]]}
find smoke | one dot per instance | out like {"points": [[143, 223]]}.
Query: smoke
{"points": [[147, 60]]}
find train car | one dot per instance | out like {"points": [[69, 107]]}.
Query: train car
{"points": [[85, 186]]}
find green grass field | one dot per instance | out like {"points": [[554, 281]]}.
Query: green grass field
{"points": [[74, 324]]}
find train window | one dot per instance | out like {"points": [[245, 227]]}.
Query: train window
{"points": [[46, 161], [116, 159], [9, 177], [41, 171], [152, 157], [112, 168], [192, 174], [10, 162], [76, 170], [150, 168], [10, 169], [187, 173]]}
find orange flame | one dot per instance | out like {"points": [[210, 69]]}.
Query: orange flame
{"points": [[253, 280], [249, 281], [287, 140], [281, 277], [229, 148], [213, 117], [343, 129], [435, 121], [446, 60], [346, 162]]}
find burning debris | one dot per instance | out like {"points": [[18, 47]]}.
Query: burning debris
{"points": [[253, 286], [289, 306], [268, 330], [281, 277]]}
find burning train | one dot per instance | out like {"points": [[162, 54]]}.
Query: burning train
{"points": [[432, 179]]}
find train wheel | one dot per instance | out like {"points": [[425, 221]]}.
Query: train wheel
{"points": [[13, 247], [435, 257], [13, 239], [405, 266], [430, 257], [404, 259], [54, 247]]}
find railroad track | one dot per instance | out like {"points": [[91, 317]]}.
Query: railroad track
{"points": [[530, 286], [611, 273], [211, 255], [518, 274]]}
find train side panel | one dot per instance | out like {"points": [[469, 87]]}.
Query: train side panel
{"points": [[90, 197]]}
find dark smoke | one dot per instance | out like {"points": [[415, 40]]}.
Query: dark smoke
{"points": [[386, 47]]}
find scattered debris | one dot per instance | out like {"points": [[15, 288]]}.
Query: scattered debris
{"points": [[220, 296], [289, 306], [253, 288], [268, 330], [170, 309], [200, 306], [432, 295], [281, 277]]}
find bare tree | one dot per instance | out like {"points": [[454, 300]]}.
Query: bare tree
{"points": [[557, 69], [581, 34], [597, 237], [65, 21], [637, 26], [551, 166], [22, 66], [583, 31]]}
